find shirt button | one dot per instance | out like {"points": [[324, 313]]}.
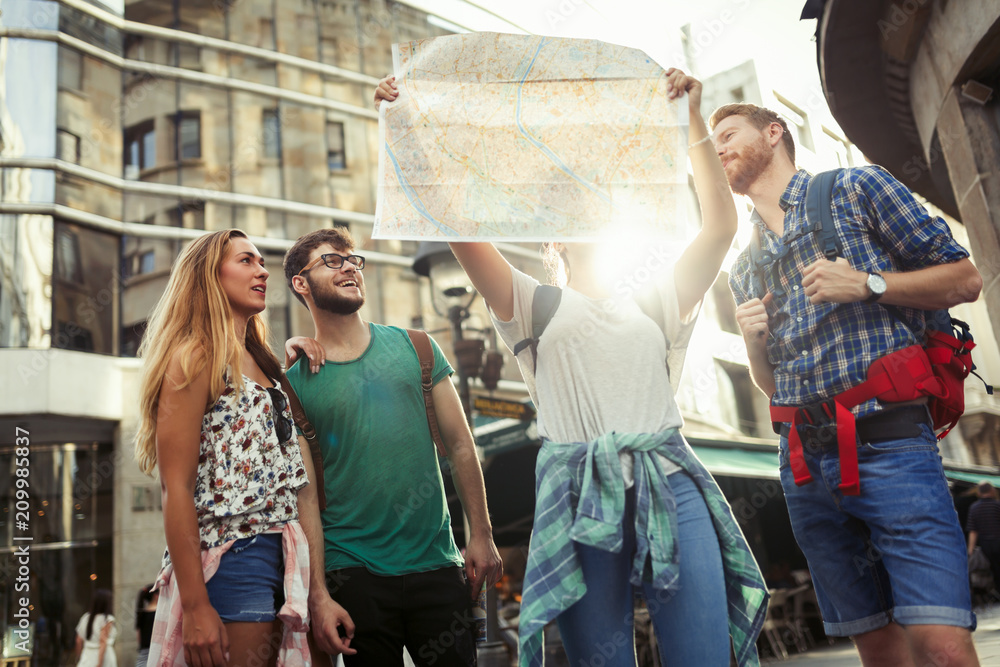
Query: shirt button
{"points": [[798, 319], [805, 352], [795, 287], [805, 382]]}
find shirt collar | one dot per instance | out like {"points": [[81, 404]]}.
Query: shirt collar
{"points": [[796, 189], [790, 197]]}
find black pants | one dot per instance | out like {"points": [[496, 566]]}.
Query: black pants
{"points": [[430, 613], [992, 553]]}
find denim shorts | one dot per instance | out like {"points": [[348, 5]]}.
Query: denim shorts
{"points": [[249, 585], [895, 553]]}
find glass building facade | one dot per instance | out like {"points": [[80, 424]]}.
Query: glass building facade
{"points": [[125, 131]]}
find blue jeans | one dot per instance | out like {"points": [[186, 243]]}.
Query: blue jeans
{"points": [[249, 586], [691, 625], [893, 553]]}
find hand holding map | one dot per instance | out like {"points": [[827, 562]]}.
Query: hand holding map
{"points": [[523, 137]]}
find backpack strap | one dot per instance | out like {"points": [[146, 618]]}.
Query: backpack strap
{"points": [[425, 354], [299, 415], [819, 211], [544, 303]]}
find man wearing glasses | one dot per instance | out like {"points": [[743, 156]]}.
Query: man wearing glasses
{"points": [[391, 561]]}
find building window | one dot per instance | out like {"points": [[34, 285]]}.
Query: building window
{"points": [[70, 75], [187, 132], [140, 149], [132, 338], [271, 129], [67, 248], [146, 498], [798, 122], [85, 291], [328, 51], [189, 214], [67, 146], [138, 263], [135, 47], [335, 156], [185, 56], [265, 39]]}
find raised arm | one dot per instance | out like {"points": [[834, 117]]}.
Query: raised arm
{"points": [[178, 440], [490, 275], [482, 561], [699, 265]]}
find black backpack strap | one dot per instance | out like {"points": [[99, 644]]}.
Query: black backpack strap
{"points": [[819, 210], [544, 303]]}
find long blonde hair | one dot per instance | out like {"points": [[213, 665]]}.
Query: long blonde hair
{"points": [[193, 318]]}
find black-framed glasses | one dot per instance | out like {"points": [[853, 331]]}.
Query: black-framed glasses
{"points": [[282, 424], [335, 261]]}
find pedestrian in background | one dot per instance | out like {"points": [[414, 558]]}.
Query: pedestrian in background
{"points": [[145, 613], [96, 633], [984, 527]]}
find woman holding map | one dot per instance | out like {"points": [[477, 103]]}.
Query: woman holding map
{"points": [[622, 502]]}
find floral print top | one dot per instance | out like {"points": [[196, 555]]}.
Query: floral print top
{"points": [[247, 480]]}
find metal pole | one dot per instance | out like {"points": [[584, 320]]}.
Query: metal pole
{"points": [[456, 315]]}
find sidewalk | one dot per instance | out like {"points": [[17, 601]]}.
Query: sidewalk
{"points": [[843, 654]]}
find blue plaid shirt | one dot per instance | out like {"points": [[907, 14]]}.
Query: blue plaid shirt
{"points": [[821, 350]]}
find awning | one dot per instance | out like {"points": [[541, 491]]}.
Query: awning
{"points": [[732, 462], [971, 477]]}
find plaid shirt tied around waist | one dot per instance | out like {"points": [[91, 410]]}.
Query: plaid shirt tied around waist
{"points": [[821, 350], [580, 497]]}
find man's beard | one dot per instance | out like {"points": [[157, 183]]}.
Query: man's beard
{"points": [[328, 299], [752, 161]]}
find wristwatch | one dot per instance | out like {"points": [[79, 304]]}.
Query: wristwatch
{"points": [[876, 285]]}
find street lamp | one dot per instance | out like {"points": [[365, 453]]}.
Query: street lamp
{"points": [[452, 294]]}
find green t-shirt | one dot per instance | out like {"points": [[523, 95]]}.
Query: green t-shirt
{"points": [[386, 508]]}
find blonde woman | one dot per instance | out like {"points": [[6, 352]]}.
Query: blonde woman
{"points": [[622, 503], [215, 421]]}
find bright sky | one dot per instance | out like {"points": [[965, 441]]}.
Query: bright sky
{"points": [[724, 33]]}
